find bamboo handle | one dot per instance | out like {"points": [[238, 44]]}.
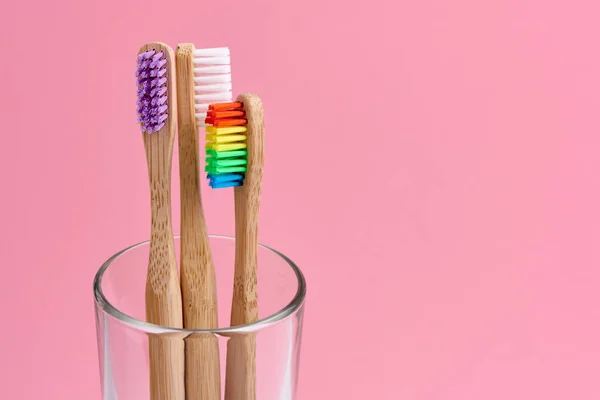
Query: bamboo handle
{"points": [[166, 368], [163, 300], [198, 282], [163, 296], [240, 382], [240, 374]]}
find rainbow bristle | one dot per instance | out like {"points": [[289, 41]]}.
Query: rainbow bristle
{"points": [[226, 154], [225, 180]]}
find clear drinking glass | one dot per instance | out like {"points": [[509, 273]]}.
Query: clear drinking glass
{"points": [[119, 291]]}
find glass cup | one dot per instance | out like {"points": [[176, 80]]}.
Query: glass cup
{"points": [[123, 335]]}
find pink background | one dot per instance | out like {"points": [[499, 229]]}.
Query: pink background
{"points": [[432, 166]]}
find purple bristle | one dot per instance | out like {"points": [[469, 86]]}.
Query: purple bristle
{"points": [[157, 82], [152, 91], [158, 91], [146, 55]]}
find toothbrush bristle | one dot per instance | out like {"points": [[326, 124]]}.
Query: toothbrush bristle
{"points": [[226, 154], [152, 90], [212, 79]]}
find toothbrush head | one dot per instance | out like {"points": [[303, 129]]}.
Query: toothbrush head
{"points": [[226, 148], [212, 79], [153, 86]]}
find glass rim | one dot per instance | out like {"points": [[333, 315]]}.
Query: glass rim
{"points": [[147, 327]]}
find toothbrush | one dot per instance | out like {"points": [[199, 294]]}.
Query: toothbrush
{"points": [[198, 282], [156, 114], [235, 159]]}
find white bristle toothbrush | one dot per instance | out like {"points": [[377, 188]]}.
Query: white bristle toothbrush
{"points": [[212, 79], [203, 75]]}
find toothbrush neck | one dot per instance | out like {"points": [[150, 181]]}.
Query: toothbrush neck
{"points": [[161, 204]]}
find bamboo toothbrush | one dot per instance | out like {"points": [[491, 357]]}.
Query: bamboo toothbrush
{"points": [[156, 114], [235, 158], [198, 282]]}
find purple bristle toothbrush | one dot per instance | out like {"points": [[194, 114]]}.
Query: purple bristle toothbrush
{"points": [[156, 111]]}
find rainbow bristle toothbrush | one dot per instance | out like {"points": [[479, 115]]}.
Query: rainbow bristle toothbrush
{"points": [[235, 159], [196, 83], [156, 114], [226, 154]]}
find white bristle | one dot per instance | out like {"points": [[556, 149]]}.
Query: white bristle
{"points": [[220, 87], [225, 78], [213, 69], [224, 96], [215, 52], [212, 61], [201, 118], [201, 107], [212, 79]]}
